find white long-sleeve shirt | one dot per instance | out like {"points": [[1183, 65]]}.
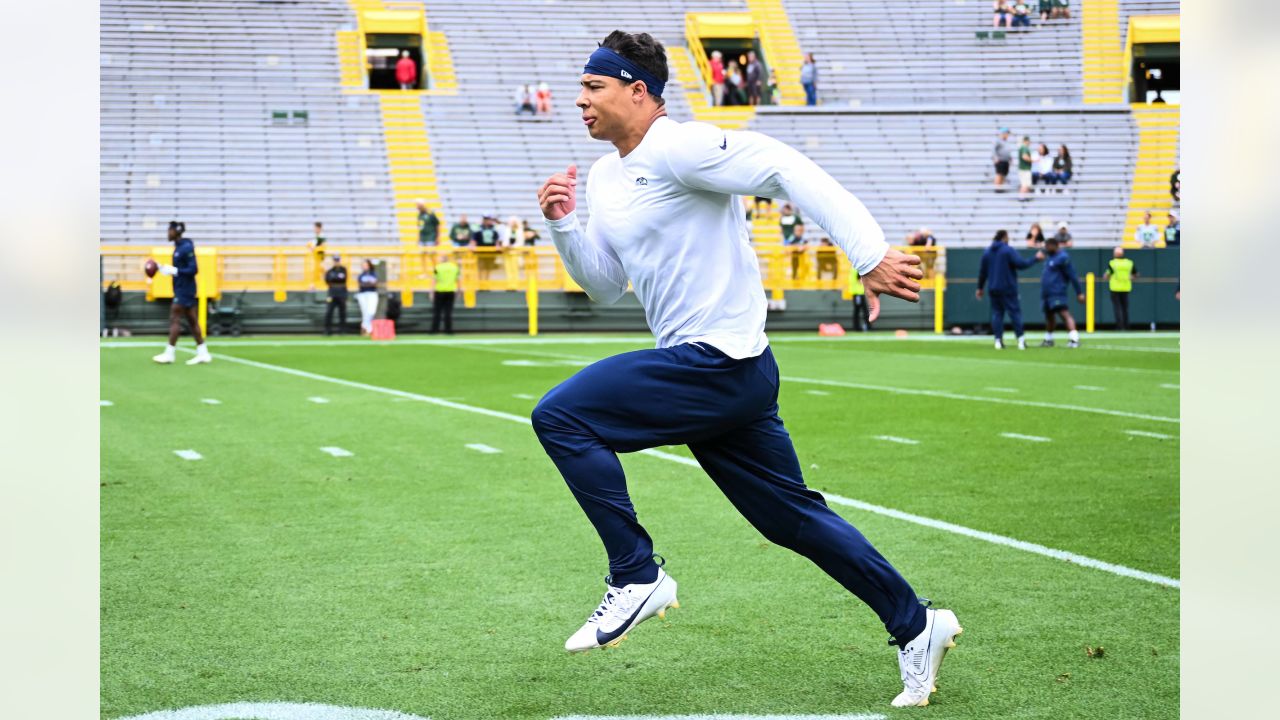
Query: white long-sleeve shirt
{"points": [[668, 218]]}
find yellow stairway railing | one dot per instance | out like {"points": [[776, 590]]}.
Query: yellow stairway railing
{"points": [[781, 50], [730, 118]]}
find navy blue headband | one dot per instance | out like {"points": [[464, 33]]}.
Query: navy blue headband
{"points": [[610, 64]]}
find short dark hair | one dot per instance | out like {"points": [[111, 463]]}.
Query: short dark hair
{"points": [[1001, 236], [643, 50], [1053, 240]]}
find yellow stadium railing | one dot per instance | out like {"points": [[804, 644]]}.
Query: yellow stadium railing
{"points": [[281, 270]]}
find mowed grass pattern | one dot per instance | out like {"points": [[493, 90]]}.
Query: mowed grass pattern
{"points": [[424, 576]]}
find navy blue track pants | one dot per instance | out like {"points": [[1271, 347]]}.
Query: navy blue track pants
{"points": [[726, 411], [1006, 302]]}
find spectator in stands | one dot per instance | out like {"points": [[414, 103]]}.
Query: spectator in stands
{"points": [[1062, 9], [1002, 14], [1021, 14], [1063, 236], [717, 78], [1024, 168], [406, 71], [336, 280], [827, 264], [759, 200], [1042, 167], [460, 233], [775, 95], [513, 232], [809, 79], [734, 92], [316, 246], [428, 225], [1173, 231], [796, 246], [755, 78], [524, 99], [787, 220], [486, 239], [1046, 9], [531, 236], [543, 97], [1175, 185], [1147, 234], [1119, 276], [367, 296], [924, 238], [1061, 173], [1035, 236], [1001, 156]]}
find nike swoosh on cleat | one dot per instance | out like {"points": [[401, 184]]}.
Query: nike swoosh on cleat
{"points": [[725, 144], [603, 638]]}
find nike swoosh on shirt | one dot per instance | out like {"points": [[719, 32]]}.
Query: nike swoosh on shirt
{"points": [[607, 637]]}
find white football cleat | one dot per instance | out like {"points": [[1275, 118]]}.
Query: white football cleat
{"points": [[202, 356], [1022, 343], [621, 610], [921, 659], [999, 344], [164, 358]]}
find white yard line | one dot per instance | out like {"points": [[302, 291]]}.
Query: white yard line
{"points": [[977, 398], [1090, 388], [337, 451], [319, 400], [1028, 438], [1147, 434], [105, 403], [724, 716], [188, 454], [819, 393], [1002, 389], [889, 512], [896, 439], [524, 396], [210, 401], [274, 711], [1133, 348], [1170, 386], [482, 448]]}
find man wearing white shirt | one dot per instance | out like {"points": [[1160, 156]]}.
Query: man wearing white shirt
{"points": [[1147, 234], [665, 218]]}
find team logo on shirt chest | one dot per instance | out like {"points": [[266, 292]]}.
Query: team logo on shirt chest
{"points": [[641, 181]]}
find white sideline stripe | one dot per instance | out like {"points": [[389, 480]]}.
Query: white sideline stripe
{"points": [[1135, 348], [188, 454], [524, 396], [1009, 542], [724, 716], [486, 449], [820, 393], [274, 711], [1145, 433], [896, 439], [977, 398], [318, 400], [1170, 386], [210, 401], [1029, 438], [1002, 389], [937, 524], [105, 403], [337, 451], [1091, 388]]}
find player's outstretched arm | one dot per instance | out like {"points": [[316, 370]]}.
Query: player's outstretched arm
{"points": [[590, 262]]}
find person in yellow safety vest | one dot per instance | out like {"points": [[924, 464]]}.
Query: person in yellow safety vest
{"points": [[1120, 274], [446, 274], [861, 323]]}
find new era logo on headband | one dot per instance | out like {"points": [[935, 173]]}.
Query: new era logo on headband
{"points": [[625, 74]]}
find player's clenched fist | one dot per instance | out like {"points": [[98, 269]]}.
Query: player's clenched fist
{"points": [[559, 194]]}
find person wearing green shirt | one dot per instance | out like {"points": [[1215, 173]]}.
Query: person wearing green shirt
{"points": [[428, 225], [460, 233], [1024, 168], [861, 322], [1119, 277], [446, 274]]}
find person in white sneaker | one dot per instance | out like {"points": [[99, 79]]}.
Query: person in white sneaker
{"points": [[1000, 265], [183, 271], [1058, 274], [666, 219]]}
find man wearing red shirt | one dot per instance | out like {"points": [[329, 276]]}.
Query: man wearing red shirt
{"points": [[717, 79], [406, 72]]}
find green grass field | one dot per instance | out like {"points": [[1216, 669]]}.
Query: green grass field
{"points": [[424, 576]]}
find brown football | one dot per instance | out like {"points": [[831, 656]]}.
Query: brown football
{"points": [[150, 267]]}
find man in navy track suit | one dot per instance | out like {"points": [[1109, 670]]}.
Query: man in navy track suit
{"points": [[1058, 274], [183, 271], [1000, 265]]}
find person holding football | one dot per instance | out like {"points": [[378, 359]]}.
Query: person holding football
{"points": [[183, 271]]}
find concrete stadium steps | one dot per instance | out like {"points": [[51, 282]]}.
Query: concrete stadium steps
{"points": [[409, 158], [1105, 77], [781, 49], [883, 52], [1158, 152]]}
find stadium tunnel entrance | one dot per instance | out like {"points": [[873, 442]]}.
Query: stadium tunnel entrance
{"points": [[1152, 54], [384, 50]]}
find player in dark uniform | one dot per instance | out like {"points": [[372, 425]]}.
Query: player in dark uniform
{"points": [[183, 271], [1058, 273]]}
